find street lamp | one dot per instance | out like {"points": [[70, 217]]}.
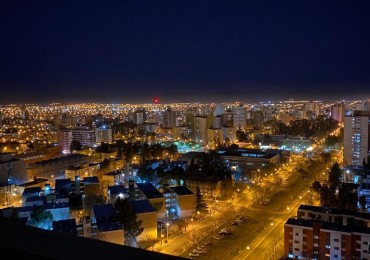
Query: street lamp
{"points": [[167, 224]]}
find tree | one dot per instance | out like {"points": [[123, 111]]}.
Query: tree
{"points": [[241, 136], [331, 140], [227, 142], [181, 224], [41, 218], [334, 175], [75, 201], [195, 237], [126, 216], [316, 186], [74, 146], [172, 150], [103, 148], [200, 204], [151, 240]]}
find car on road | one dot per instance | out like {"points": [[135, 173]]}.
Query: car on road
{"points": [[199, 251], [193, 254], [225, 232], [217, 237]]}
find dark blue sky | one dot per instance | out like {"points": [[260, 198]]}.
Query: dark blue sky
{"points": [[131, 51]]}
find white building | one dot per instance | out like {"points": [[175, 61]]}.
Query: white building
{"points": [[356, 139], [12, 171], [103, 134], [200, 129], [83, 135], [229, 133], [239, 115], [169, 118], [337, 112]]}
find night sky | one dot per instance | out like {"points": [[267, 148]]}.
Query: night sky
{"points": [[177, 50]]}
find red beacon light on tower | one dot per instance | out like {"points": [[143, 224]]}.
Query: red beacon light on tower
{"points": [[156, 100]]}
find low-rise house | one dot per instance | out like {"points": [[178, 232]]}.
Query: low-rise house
{"points": [[179, 201], [155, 198], [65, 226], [109, 230], [148, 215]]}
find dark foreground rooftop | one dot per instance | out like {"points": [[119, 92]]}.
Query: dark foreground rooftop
{"points": [[22, 241]]}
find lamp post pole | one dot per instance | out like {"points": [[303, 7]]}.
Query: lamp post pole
{"points": [[161, 233], [168, 224]]}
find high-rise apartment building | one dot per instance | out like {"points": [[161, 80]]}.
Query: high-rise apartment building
{"points": [[83, 135], [216, 122], [229, 133], [227, 119], [169, 118], [337, 112], [189, 122], [214, 137], [140, 116], [257, 119], [103, 134], [64, 137], [219, 110], [240, 119], [180, 132], [200, 129], [356, 139], [327, 233]]}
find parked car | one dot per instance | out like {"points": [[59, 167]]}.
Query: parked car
{"points": [[225, 231], [200, 250]]}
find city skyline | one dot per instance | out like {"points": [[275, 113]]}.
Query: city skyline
{"points": [[183, 52]]}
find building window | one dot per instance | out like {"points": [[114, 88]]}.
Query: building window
{"points": [[336, 256], [336, 248], [366, 243], [364, 251], [296, 234], [336, 240], [316, 237], [296, 249]]}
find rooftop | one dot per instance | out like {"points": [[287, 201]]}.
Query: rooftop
{"points": [[116, 189], [149, 190], [334, 211], [142, 206], [92, 179], [67, 226], [34, 182], [299, 222], [31, 191], [26, 241], [182, 190]]}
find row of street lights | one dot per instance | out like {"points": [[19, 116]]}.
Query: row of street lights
{"points": [[167, 226]]}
